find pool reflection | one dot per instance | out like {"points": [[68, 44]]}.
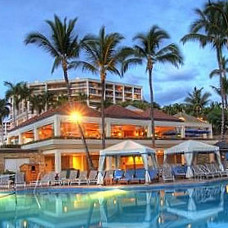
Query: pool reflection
{"points": [[196, 207]]}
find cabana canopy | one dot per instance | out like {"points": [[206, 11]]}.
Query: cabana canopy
{"points": [[127, 148], [189, 148]]}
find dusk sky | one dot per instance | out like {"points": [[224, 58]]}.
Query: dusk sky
{"points": [[29, 63]]}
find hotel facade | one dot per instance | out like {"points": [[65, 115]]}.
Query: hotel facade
{"points": [[114, 92], [54, 142]]}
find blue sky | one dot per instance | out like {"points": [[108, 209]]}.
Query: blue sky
{"points": [[29, 63]]}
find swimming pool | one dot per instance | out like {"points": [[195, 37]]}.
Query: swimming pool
{"points": [[200, 207]]}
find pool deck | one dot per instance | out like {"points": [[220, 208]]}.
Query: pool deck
{"points": [[177, 184]]}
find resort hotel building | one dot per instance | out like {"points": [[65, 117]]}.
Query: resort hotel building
{"points": [[114, 93], [53, 142]]}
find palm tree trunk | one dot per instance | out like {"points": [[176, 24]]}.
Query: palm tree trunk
{"points": [[90, 162], [65, 74], [152, 107], [219, 59], [2, 135], [26, 105], [14, 114], [64, 66], [102, 75]]}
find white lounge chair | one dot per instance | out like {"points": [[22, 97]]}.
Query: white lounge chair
{"points": [[62, 177], [92, 179], [82, 179], [5, 182], [72, 177], [47, 179], [20, 179], [167, 174]]}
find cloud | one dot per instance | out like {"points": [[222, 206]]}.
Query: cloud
{"points": [[172, 95]]}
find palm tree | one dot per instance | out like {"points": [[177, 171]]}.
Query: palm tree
{"points": [[62, 45], [37, 103], [209, 29], [4, 112], [220, 9], [14, 92], [150, 50], [103, 54], [48, 99], [217, 72], [25, 95], [197, 101]]}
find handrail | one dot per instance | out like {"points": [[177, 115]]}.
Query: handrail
{"points": [[37, 182]]}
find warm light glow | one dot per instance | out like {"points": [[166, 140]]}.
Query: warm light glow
{"points": [[65, 209], [25, 224], [107, 194], [75, 117]]}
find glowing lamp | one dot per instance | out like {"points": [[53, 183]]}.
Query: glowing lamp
{"points": [[75, 117]]}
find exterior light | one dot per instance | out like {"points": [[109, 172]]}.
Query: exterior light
{"points": [[75, 117]]}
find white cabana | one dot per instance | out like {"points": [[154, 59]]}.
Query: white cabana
{"points": [[127, 148], [189, 148]]}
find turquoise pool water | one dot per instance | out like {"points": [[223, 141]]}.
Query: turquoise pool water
{"points": [[200, 207]]}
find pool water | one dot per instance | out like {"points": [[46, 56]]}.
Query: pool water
{"points": [[200, 207]]}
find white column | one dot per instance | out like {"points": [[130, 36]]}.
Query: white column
{"points": [[114, 94], [108, 129], [210, 133], [20, 139], [35, 134], [141, 94], [57, 161], [183, 132], [56, 126], [123, 98]]}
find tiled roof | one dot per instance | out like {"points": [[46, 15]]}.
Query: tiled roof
{"points": [[117, 111], [187, 118], [159, 115], [113, 111], [65, 109]]}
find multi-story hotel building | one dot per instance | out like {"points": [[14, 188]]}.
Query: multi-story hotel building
{"points": [[115, 93], [56, 141], [3, 131]]}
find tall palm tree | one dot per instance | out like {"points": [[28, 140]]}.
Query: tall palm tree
{"points": [[103, 55], [48, 99], [150, 48], [62, 44], [208, 29], [217, 72], [197, 101], [14, 92], [37, 103], [4, 113], [25, 95]]}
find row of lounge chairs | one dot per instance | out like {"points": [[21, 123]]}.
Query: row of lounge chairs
{"points": [[167, 172], [208, 171], [6, 180], [129, 176]]}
